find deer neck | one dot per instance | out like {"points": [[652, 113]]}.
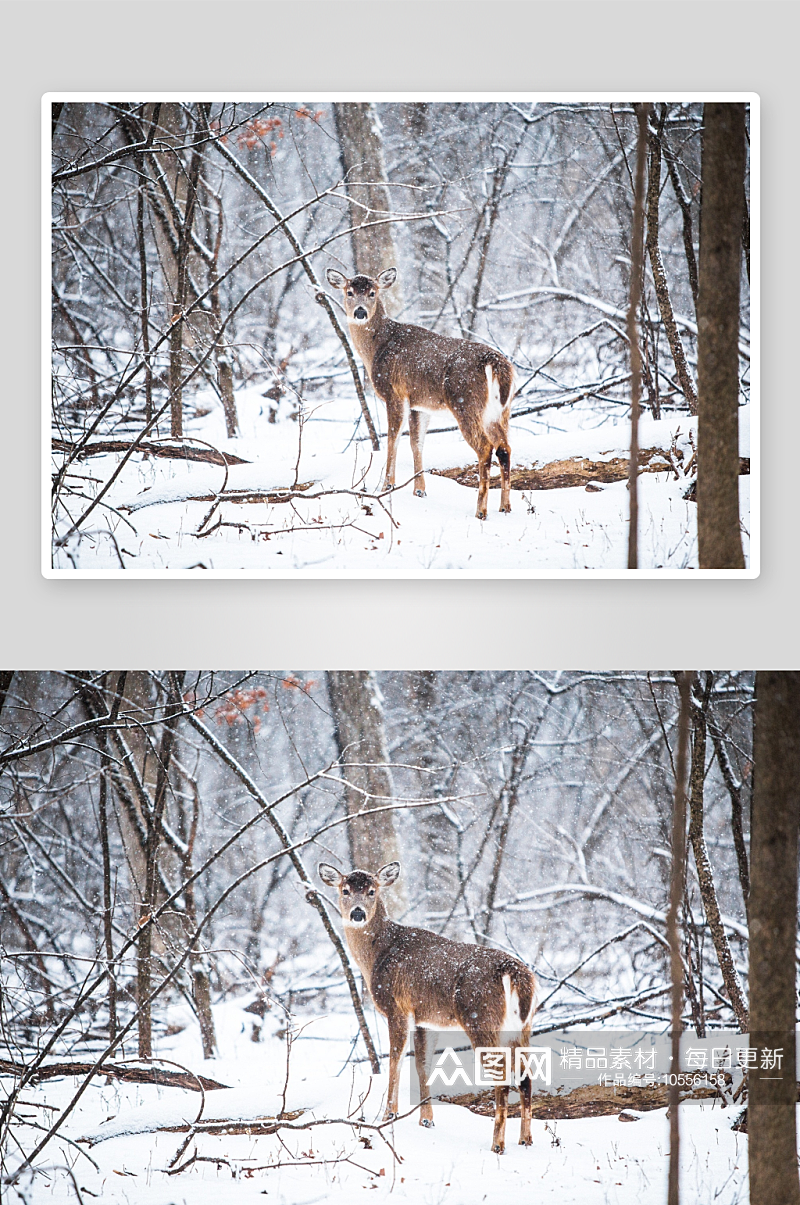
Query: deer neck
{"points": [[368, 336], [367, 942]]}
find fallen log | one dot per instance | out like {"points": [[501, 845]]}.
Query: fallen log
{"points": [[169, 451], [577, 470], [134, 1075], [589, 1100], [279, 494], [256, 1127]]}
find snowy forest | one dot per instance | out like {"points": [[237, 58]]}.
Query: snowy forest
{"points": [[182, 1005], [209, 412]]}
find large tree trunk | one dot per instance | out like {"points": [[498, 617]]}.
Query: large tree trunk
{"points": [[358, 718], [182, 287], [436, 833], [426, 291], [773, 931], [359, 131], [721, 216], [144, 961]]}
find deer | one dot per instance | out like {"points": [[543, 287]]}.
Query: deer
{"points": [[416, 371], [417, 977]]}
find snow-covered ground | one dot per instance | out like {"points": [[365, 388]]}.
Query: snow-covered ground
{"points": [[156, 525], [593, 1161]]}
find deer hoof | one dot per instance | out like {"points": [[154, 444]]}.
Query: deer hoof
{"points": [[420, 494], [498, 1149], [505, 510], [526, 1141], [480, 514], [427, 1122], [390, 1117]]}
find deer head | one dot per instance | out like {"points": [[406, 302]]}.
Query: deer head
{"points": [[359, 891], [361, 293]]}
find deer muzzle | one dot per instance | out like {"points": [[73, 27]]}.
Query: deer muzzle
{"points": [[360, 314], [358, 916]]}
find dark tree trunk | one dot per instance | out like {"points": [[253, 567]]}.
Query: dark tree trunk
{"points": [[358, 717], [154, 833], [721, 217], [773, 932], [436, 833], [361, 143], [427, 289], [182, 285]]}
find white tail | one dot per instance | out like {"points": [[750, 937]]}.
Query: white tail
{"points": [[416, 370], [417, 977]]}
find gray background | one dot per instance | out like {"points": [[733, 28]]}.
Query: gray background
{"points": [[384, 45]]}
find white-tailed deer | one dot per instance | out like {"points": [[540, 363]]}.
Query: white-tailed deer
{"points": [[417, 371], [417, 977]]}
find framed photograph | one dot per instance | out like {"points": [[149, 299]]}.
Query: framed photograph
{"points": [[400, 336]]}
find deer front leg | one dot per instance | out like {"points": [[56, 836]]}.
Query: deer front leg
{"points": [[417, 426], [421, 1063], [394, 420], [500, 1115], [398, 1037]]}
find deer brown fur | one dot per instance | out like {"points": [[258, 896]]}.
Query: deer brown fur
{"points": [[419, 978], [419, 371]]}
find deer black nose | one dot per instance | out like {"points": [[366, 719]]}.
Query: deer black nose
{"points": [[360, 313], [358, 915]]}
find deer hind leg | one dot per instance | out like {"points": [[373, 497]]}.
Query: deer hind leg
{"points": [[484, 464], [492, 1040], [525, 1093], [421, 1062], [395, 413], [398, 1037], [500, 1115], [417, 426], [504, 459]]}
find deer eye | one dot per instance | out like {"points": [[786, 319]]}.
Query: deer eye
{"points": [[345, 891], [372, 294], [372, 890], [349, 292]]}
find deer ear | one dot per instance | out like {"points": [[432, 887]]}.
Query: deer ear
{"points": [[329, 874], [335, 278], [385, 281], [391, 872]]}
